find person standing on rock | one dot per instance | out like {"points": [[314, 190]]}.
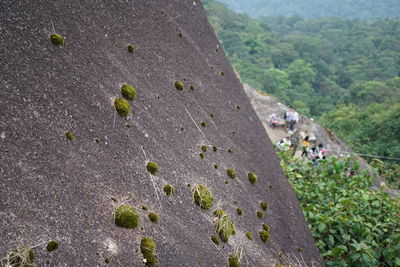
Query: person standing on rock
{"points": [[305, 147], [287, 118], [295, 140], [294, 118]]}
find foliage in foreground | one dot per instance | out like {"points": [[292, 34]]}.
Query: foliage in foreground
{"points": [[352, 225]]}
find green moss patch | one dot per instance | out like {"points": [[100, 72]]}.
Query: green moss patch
{"points": [[179, 85], [252, 177], [218, 213], [153, 217], [70, 135], [231, 173], [249, 235], [202, 155], [192, 87], [230, 151], [204, 148], [152, 167], [234, 260], [215, 240], [203, 124], [260, 214], [128, 92], [131, 48], [51, 246], [125, 216], [239, 211], [265, 227], [57, 39], [216, 166], [169, 189], [122, 107], [21, 257], [215, 149], [223, 225], [264, 236], [202, 196], [148, 250], [264, 205]]}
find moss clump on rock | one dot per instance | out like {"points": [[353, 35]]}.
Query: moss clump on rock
{"points": [[202, 196], [152, 167], [260, 214], [239, 211], [192, 87], [216, 166], [128, 92], [131, 48], [230, 150], [203, 124], [218, 213], [70, 135], [264, 236], [265, 227], [264, 205], [249, 235], [202, 155], [223, 226], [169, 189], [153, 217], [148, 250], [51, 246], [215, 149], [231, 173], [252, 177], [204, 148], [57, 39], [215, 240], [234, 260], [179, 85], [122, 107], [125, 216], [21, 257]]}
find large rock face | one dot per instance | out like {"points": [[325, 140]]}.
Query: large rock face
{"points": [[53, 188]]}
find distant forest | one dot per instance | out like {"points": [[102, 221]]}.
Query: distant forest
{"points": [[361, 9], [342, 72]]}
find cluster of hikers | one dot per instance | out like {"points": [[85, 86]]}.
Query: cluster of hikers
{"points": [[290, 119], [310, 151]]}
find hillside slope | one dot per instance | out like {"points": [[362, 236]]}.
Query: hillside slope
{"points": [[361, 9], [57, 187]]}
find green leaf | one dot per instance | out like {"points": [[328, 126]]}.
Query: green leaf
{"points": [[321, 227]]}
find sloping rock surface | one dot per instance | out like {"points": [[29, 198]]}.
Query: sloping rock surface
{"points": [[52, 188]]}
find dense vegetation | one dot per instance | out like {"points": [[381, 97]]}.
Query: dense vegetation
{"points": [[362, 9], [345, 73], [352, 225]]}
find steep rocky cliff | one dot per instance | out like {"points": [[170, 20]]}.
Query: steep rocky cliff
{"points": [[75, 148]]}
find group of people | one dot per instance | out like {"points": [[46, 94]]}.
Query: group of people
{"points": [[310, 151], [290, 119]]}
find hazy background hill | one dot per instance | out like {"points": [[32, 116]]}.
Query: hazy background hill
{"points": [[361, 9]]}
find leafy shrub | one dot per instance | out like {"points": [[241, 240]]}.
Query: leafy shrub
{"points": [[352, 225]]}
